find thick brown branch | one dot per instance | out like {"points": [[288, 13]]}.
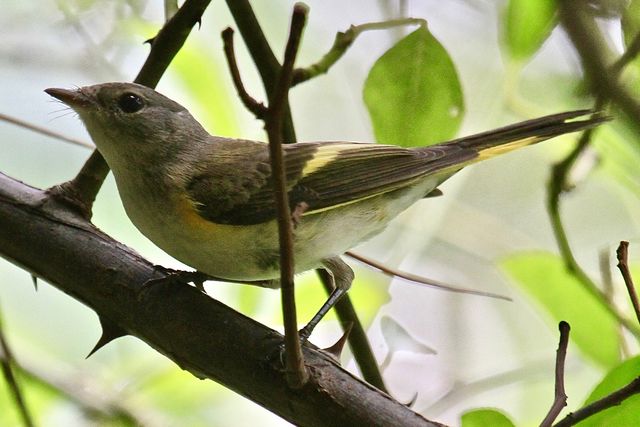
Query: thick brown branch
{"points": [[179, 321]]}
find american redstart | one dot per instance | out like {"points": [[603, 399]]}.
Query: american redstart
{"points": [[208, 201]]}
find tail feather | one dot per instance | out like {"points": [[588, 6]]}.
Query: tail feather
{"points": [[502, 140]]}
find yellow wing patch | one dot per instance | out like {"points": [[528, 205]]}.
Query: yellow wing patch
{"points": [[324, 156], [505, 148]]}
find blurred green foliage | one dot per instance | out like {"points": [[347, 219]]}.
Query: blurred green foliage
{"points": [[485, 417], [628, 412], [414, 96], [527, 24], [544, 277]]}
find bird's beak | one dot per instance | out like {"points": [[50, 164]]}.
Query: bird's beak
{"points": [[73, 98]]}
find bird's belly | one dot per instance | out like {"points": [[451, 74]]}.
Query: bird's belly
{"points": [[251, 252]]}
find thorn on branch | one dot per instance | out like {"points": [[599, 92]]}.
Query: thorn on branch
{"points": [[110, 331], [412, 401], [336, 349]]}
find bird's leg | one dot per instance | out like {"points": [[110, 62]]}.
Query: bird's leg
{"points": [[342, 276]]}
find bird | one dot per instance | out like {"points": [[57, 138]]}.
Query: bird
{"points": [[208, 201]]}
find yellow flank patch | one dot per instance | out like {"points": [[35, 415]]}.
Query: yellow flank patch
{"points": [[325, 155], [505, 148], [192, 219]]}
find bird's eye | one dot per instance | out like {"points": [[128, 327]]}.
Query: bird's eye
{"points": [[130, 103]]}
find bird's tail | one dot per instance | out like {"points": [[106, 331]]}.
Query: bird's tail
{"points": [[505, 139]]}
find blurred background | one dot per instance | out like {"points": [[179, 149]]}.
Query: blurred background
{"points": [[490, 231]]}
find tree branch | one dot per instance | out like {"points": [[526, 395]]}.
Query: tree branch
{"points": [[200, 334], [274, 118], [560, 398], [257, 108], [622, 254], [262, 55], [342, 42], [613, 399], [414, 278]]}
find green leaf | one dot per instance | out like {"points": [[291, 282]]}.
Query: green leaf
{"points": [[485, 417], [527, 24], [628, 412], [544, 277], [413, 93]]}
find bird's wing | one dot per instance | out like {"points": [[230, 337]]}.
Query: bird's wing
{"points": [[237, 189]]}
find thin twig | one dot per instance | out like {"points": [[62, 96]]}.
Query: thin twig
{"points": [[622, 255], [262, 55], [7, 360], [560, 396], [257, 108], [613, 399], [414, 278], [296, 372], [43, 131], [342, 42], [604, 260]]}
